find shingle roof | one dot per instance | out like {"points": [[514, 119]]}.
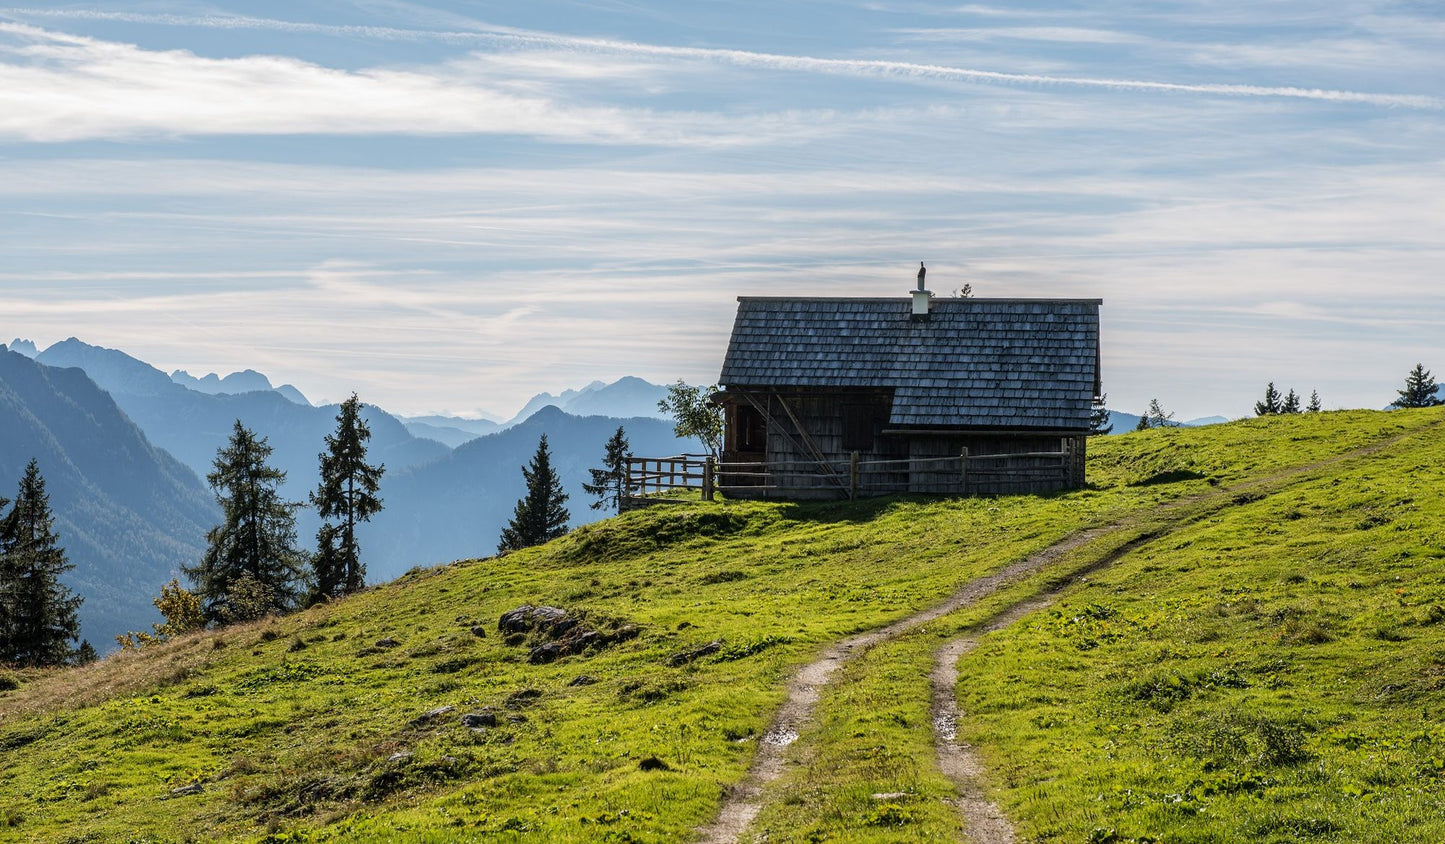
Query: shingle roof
{"points": [[1016, 363]]}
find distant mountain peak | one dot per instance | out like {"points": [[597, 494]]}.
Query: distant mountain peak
{"points": [[24, 347]]}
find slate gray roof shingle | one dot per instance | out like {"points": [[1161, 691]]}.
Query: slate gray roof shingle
{"points": [[974, 363]]}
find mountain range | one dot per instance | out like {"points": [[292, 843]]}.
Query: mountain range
{"points": [[125, 448], [128, 514]]}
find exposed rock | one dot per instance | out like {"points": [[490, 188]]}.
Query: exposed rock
{"points": [[430, 715], [891, 795], [193, 788], [582, 680], [479, 631], [527, 618], [517, 718], [399, 757], [696, 653], [652, 763], [522, 699], [479, 719], [387, 642]]}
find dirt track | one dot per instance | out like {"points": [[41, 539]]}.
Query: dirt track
{"points": [[984, 823]]}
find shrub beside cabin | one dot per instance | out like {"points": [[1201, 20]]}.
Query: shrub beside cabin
{"points": [[830, 396]]}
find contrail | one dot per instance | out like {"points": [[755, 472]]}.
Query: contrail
{"points": [[883, 68]]}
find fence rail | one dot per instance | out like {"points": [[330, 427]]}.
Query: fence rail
{"points": [[850, 477]]}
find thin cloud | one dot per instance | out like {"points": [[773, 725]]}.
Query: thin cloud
{"points": [[773, 61]]}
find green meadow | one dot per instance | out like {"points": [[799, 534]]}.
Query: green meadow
{"points": [[1252, 649]]}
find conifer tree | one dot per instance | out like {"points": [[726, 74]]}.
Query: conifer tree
{"points": [[40, 620], [609, 483], [1419, 389], [1290, 403], [1099, 416], [347, 494], [1314, 405], [1271, 403], [539, 515], [254, 545], [1156, 417]]}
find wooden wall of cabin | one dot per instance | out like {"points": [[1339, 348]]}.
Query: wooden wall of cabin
{"points": [[839, 422]]}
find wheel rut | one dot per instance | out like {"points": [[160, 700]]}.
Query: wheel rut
{"points": [[984, 822]]}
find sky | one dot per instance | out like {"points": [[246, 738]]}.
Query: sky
{"points": [[448, 206]]}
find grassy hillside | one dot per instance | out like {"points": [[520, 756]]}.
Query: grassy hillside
{"points": [[324, 725]]}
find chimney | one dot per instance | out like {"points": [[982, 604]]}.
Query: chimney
{"points": [[922, 299]]}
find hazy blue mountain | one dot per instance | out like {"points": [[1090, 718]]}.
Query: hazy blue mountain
{"points": [[456, 507], [24, 347], [445, 434], [624, 398], [1125, 422], [192, 425], [245, 381], [128, 514]]}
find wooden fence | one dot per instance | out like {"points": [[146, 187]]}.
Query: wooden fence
{"points": [[851, 477]]}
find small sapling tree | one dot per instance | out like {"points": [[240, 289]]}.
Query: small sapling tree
{"points": [[1291, 403], [1314, 406], [694, 415], [181, 609]]}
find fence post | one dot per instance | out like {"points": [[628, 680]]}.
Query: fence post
{"points": [[963, 471], [707, 478], [853, 476]]}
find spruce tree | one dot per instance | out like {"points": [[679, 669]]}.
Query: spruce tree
{"points": [[1419, 389], [346, 494], [40, 622], [1099, 416], [539, 515], [1314, 405], [254, 546], [1271, 403], [609, 483], [1290, 403]]}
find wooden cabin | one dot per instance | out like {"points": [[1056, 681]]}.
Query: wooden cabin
{"points": [[825, 397]]}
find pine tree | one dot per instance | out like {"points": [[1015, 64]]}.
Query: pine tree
{"points": [[40, 612], [1271, 403], [609, 483], [1156, 417], [1314, 405], [347, 493], [539, 516], [1419, 389], [1290, 403], [255, 541], [1099, 416]]}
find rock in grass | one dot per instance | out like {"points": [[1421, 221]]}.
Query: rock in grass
{"points": [[193, 788], [652, 763], [479, 631], [696, 653], [527, 618], [479, 719], [431, 715], [388, 642], [399, 757], [582, 680]]}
